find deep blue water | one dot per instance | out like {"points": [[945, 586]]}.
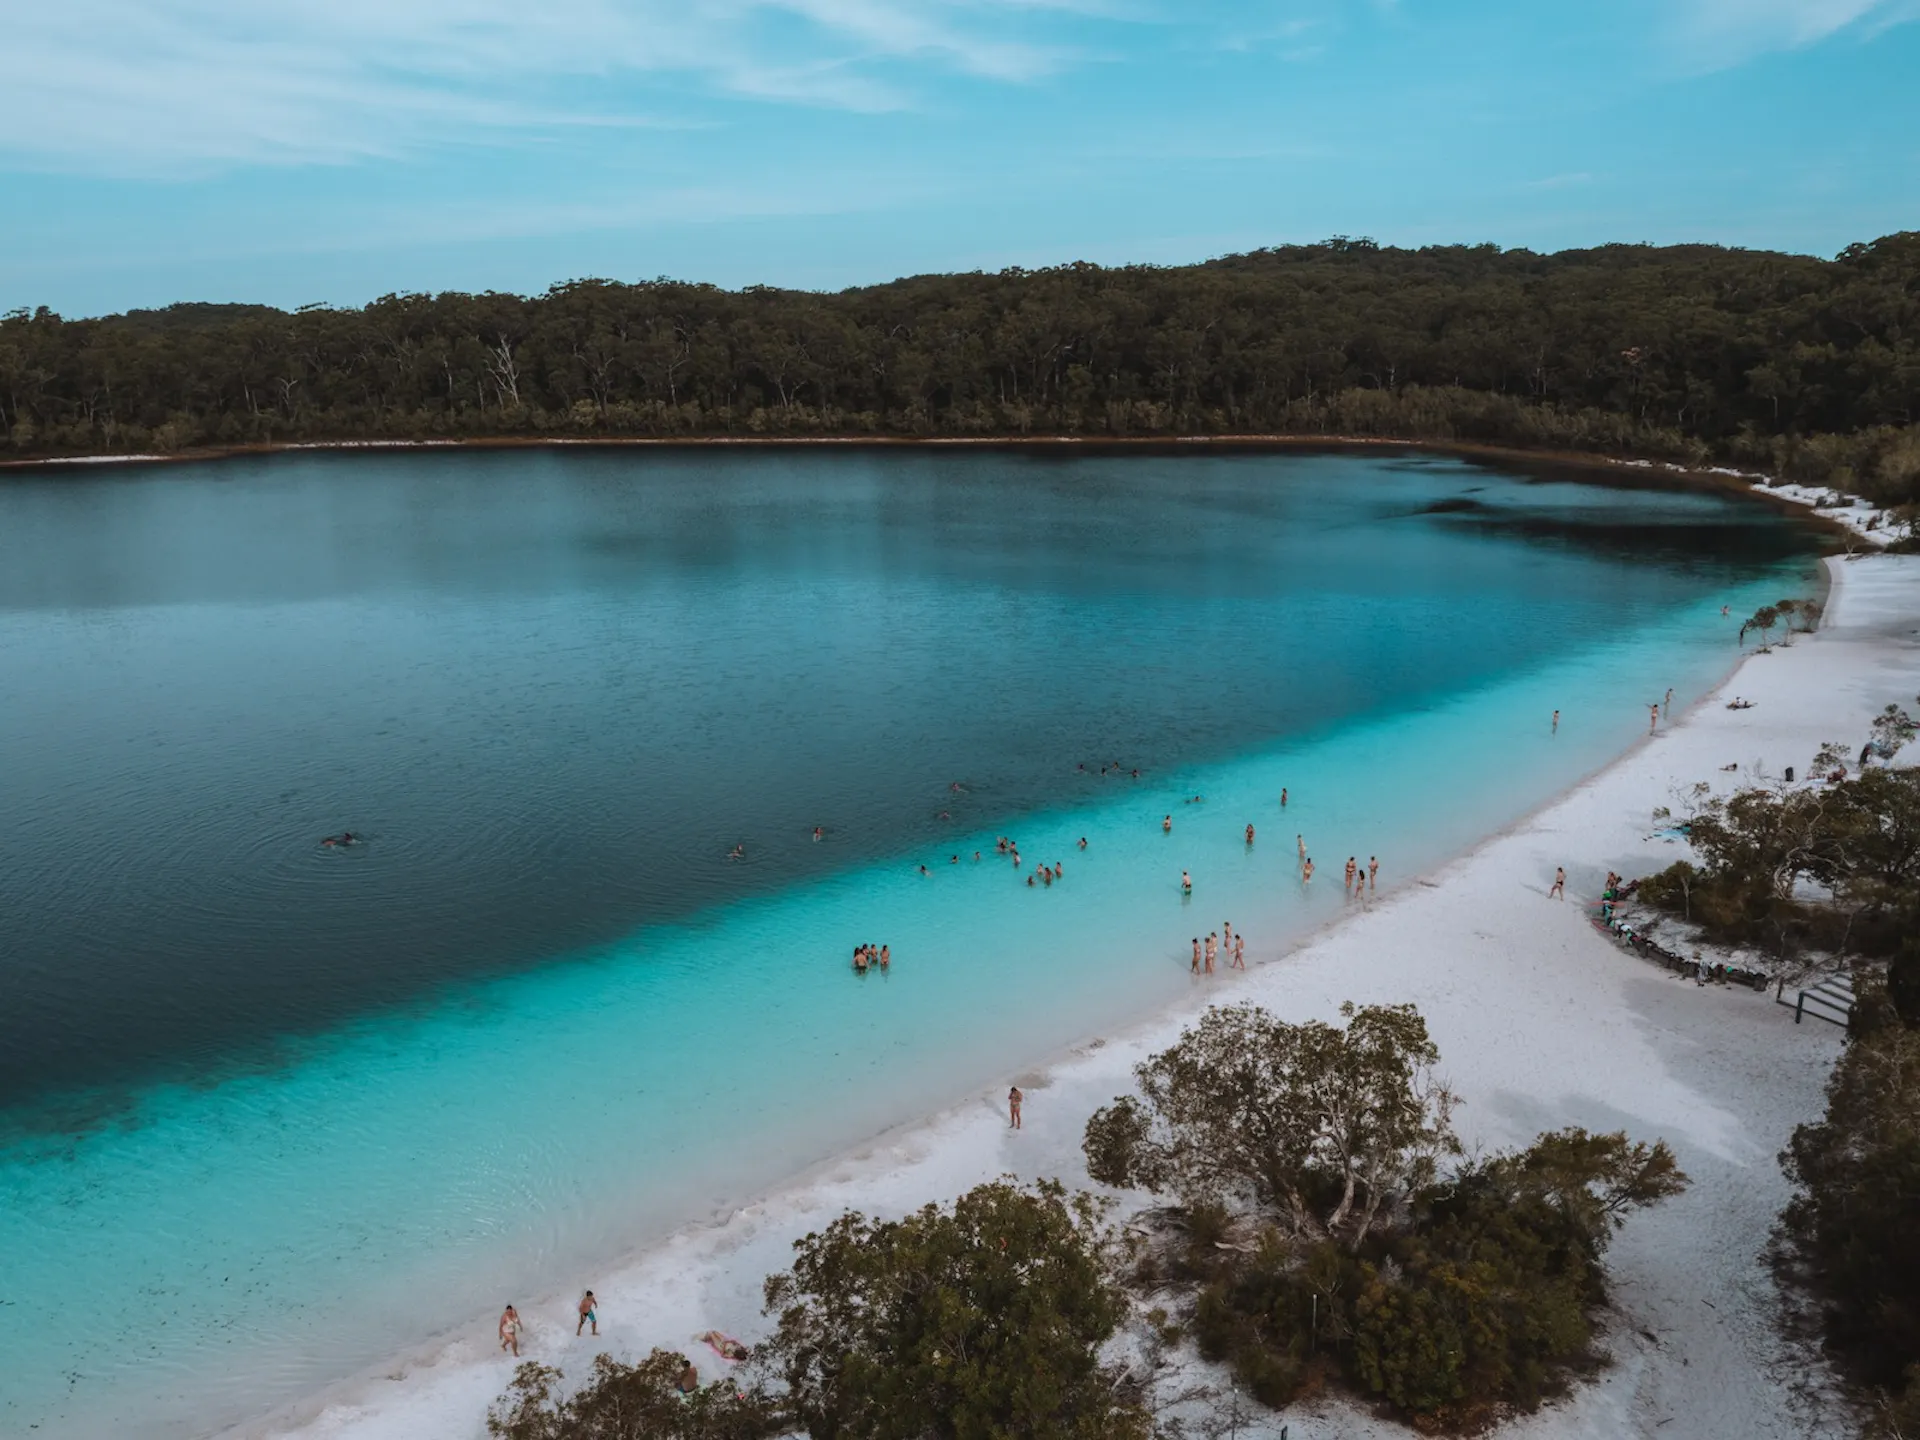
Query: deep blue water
{"points": [[554, 689]]}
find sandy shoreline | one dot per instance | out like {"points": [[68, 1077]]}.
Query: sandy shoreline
{"points": [[1541, 1021]]}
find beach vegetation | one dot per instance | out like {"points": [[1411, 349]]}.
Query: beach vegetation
{"points": [[1796, 366], [642, 1401], [978, 1320], [1327, 1126], [1853, 1226], [1449, 1292], [1830, 868]]}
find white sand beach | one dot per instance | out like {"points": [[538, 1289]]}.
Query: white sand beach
{"points": [[1542, 1022]]}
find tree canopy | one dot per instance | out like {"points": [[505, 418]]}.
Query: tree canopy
{"points": [[1684, 351]]}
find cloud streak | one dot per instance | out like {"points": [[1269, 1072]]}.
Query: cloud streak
{"points": [[165, 86], [1719, 34]]}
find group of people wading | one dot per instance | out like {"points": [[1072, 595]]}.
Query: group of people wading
{"points": [[869, 956]]}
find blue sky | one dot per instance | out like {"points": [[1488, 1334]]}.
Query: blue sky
{"points": [[293, 151]]}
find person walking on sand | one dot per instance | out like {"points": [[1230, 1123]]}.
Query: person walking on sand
{"points": [[510, 1330], [1373, 872], [1239, 952], [1014, 1097], [589, 1314], [1559, 890]]}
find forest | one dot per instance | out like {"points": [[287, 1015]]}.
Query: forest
{"points": [[1805, 367]]}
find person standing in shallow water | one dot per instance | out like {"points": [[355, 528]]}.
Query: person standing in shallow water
{"points": [[1666, 705], [1653, 718], [1249, 834], [1014, 1097], [1373, 872], [1283, 797], [1196, 955], [1239, 952], [1166, 825], [1186, 883], [1556, 722], [1306, 869]]}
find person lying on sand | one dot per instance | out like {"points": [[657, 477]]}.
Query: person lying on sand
{"points": [[725, 1346]]}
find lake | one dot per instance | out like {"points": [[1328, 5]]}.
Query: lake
{"points": [[584, 976]]}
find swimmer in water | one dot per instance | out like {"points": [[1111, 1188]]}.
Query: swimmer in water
{"points": [[1283, 797], [953, 859], [923, 870], [1556, 722], [1186, 883], [976, 857], [1166, 825], [1249, 834], [1083, 842], [1029, 882], [818, 832]]}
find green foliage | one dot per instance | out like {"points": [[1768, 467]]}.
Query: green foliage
{"points": [[1329, 1125], [1859, 839], [972, 1323], [1804, 367], [629, 1402], [1856, 1215], [1483, 1298]]}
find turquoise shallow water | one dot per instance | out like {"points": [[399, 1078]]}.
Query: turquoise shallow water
{"points": [[249, 1220]]}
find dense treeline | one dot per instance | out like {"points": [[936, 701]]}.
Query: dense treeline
{"points": [[1800, 364]]}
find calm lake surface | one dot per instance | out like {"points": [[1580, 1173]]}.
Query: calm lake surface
{"points": [[553, 690]]}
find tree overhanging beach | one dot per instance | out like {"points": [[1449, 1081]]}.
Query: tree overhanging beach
{"points": [[1805, 368]]}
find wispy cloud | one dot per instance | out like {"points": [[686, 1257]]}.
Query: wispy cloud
{"points": [[1716, 34], [145, 86]]}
